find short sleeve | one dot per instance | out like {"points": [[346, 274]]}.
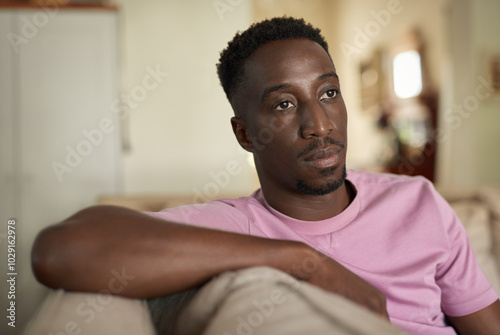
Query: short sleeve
{"points": [[214, 214], [464, 287]]}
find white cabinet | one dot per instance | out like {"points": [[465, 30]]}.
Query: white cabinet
{"points": [[59, 137]]}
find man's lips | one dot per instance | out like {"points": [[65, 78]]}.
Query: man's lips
{"points": [[323, 157]]}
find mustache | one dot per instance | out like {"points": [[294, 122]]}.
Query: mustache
{"points": [[318, 144]]}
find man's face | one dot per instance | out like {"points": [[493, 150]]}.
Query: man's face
{"points": [[292, 117]]}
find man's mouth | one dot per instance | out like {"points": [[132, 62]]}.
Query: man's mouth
{"points": [[323, 157]]}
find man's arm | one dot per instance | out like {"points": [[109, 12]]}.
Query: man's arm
{"points": [[483, 322], [155, 257]]}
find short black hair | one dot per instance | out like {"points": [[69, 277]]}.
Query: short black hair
{"points": [[232, 59]]}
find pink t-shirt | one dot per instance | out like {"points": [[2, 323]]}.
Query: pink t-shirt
{"points": [[399, 234]]}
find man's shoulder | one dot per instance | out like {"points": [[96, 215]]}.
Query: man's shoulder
{"points": [[388, 179], [383, 185], [229, 205], [252, 199]]}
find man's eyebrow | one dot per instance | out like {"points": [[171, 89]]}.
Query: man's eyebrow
{"points": [[328, 75], [272, 89]]}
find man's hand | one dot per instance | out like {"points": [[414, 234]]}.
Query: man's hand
{"points": [[324, 272]]}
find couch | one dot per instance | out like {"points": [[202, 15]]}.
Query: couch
{"points": [[250, 301]]}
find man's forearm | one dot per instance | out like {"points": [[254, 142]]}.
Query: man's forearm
{"points": [[153, 257]]}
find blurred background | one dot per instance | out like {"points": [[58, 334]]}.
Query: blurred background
{"points": [[121, 99]]}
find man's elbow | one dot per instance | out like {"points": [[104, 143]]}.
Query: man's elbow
{"points": [[61, 251], [52, 250], [44, 256]]}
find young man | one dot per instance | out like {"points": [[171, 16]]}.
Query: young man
{"points": [[388, 243]]}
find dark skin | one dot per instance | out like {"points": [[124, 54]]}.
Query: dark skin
{"points": [[292, 87]]}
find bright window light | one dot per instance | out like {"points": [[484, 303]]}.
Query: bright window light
{"points": [[407, 74]]}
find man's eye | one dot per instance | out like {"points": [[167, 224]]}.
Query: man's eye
{"points": [[284, 105], [329, 94]]}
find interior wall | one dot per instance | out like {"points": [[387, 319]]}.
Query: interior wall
{"points": [[486, 26], [177, 127], [313, 12], [470, 111]]}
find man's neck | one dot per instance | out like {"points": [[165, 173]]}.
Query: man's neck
{"points": [[310, 207]]}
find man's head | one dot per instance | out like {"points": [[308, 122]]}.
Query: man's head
{"points": [[285, 92]]}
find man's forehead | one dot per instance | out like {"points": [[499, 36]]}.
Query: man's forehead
{"points": [[279, 49], [295, 58]]}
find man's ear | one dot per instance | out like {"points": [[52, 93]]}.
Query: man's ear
{"points": [[240, 131]]}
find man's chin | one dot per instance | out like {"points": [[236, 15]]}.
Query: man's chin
{"points": [[327, 187]]}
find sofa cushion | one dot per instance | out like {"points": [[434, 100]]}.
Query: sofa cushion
{"points": [[491, 197], [90, 314]]}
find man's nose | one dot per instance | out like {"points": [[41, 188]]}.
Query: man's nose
{"points": [[315, 121]]}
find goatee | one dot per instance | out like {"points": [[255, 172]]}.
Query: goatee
{"points": [[326, 188]]}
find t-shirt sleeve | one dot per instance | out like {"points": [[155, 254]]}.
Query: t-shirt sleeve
{"points": [[464, 287], [215, 214]]}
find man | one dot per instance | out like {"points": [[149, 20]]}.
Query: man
{"points": [[388, 243]]}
